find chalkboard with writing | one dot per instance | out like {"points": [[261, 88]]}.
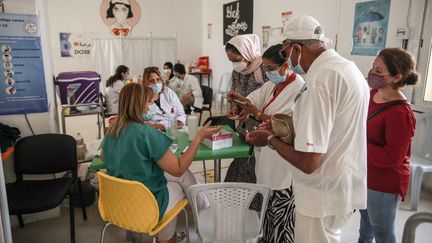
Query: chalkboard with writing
{"points": [[237, 19]]}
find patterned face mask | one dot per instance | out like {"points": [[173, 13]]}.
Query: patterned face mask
{"points": [[375, 81]]}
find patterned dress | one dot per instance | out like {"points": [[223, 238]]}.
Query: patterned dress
{"points": [[243, 169]]}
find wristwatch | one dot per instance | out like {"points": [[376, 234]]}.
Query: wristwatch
{"points": [[268, 141]]}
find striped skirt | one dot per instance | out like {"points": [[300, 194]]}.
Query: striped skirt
{"points": [[279, 218]]}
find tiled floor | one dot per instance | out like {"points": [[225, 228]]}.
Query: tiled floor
{"points": [[57, 229]]}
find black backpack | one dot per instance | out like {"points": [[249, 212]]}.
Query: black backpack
{"points": [[8, 136]]}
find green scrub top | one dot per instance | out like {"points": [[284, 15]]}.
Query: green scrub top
{"points": [[133, 156]]}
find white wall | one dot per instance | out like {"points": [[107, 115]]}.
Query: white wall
{"points": [[268, 12], [41, 122], [181, 18]]}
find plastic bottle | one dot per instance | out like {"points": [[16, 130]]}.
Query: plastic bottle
{"points": [[172, 125], [81, 147], [79, 140], [192, 124]]}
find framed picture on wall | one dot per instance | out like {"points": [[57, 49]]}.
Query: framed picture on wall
{"points": [[370, 27], [237, 19]]}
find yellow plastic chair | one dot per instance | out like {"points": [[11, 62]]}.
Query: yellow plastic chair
{"points": [[131, 206]]}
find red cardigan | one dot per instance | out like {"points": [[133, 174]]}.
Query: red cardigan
{"points": [[389, 136]]}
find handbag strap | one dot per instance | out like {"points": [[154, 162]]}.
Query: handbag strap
{"points": [[399, 102]]}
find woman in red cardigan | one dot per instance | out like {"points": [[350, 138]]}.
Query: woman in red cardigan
{"points": [[390, 128]]}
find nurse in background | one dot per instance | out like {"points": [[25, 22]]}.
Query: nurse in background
{"points": [[165, 100], [168, 72], [114, 84]]}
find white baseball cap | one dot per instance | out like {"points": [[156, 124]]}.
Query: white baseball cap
{"points": [[303, 27]]}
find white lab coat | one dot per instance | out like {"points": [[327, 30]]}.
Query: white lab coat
{"points": [[189, 83], [270, 168], [168, 100], [112, 96]]}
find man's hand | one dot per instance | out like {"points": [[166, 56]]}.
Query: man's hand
{"points": [[258, 138], [266, 126]]}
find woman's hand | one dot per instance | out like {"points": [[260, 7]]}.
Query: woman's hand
{"points": [[207, 131], [232, 95], [249, 107], [180, 124], [233, 112], [157, 126]]}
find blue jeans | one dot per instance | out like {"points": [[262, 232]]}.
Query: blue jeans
{"points": [[378, 220]]}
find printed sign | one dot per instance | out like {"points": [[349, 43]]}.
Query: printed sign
{"points": [[237, 18], [75, 44], [370, 27], [22, 80]]}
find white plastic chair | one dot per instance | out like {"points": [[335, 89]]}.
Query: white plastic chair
{"points": [[224, 87], [229, 219], [420, 160], [411, 225], [419, 166]]}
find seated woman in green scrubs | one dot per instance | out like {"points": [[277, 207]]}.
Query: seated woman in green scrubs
{"points": [[135, 151]]}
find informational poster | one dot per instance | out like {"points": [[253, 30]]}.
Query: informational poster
{"points": [[370, 27], [237, 19], [75, 44], [22, 80], [120, 16]]}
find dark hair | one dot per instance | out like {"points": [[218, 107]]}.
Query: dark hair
{"points": [[180, 68], [273, 54], [170, 66], [117, 76], [232, 48], [400, 61], [110, 13]]}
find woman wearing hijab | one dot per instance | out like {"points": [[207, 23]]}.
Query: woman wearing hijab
{"points": [[248, 75]]}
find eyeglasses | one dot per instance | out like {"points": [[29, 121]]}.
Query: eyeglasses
{"points": [[287, 44]]}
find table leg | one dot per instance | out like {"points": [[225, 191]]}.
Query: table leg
{"points": [[63, 121], [217, 170]]}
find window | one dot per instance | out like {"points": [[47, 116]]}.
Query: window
{"points": [[423, 91], [428, 79]]}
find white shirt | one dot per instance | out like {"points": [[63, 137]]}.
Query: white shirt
{"points": [[112, 96], [330, 118], [168, 100], [270, 168], [189, 83]]}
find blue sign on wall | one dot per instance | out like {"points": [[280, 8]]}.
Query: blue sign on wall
{"points": [[22, 79], [370, 27]]}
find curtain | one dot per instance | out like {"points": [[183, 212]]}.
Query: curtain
{"points": [[134, 52]]}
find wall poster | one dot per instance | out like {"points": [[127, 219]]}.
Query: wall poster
{"points": [[22, 79], [237, 19], [75, 44], [370, 27], [120, 16]]}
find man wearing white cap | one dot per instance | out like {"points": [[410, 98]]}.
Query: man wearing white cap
{"points": [[329, 152]]}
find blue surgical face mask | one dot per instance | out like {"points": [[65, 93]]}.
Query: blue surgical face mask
{"points": [[151, 113], [157, 88], [297, 69], [275, 77]]}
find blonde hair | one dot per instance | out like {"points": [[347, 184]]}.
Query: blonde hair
{"points": [[147, 72], [133, 98]]}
